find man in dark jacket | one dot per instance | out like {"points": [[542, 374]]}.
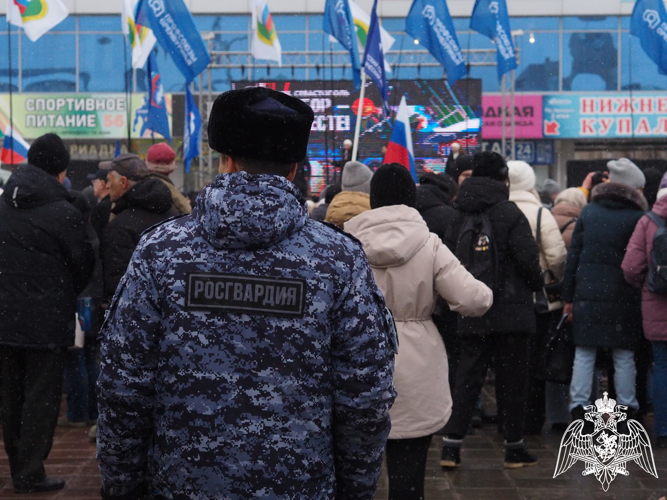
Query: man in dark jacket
{"points": [[141, 202], [504, 331], [605, 309], [248, 346], [45, 262], [101, 211], [434, 202]]}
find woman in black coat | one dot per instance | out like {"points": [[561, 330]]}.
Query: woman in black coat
{"points": [[605, 309]]}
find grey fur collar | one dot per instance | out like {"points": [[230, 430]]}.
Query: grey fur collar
{"points": [[619, 192]]}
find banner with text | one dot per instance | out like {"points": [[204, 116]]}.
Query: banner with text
{"points": [[76, 116], [527, 116], [605, 116]]}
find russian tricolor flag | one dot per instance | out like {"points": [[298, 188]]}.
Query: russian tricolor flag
{"points": [[14, 150], [400, 148]]}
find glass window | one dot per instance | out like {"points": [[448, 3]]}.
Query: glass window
{"points": [[590, 61], [100, 23], [315, 22], [67, 24], [289, 22], [538, 62], [489, 77], [235, 42], [292, 41], [535, 23], [393, 23], [638, 71], [625, 22], [49, 64], [461, 23], [590, 23], [172, 79], [222, 23], [4, 62], [97, 55]]}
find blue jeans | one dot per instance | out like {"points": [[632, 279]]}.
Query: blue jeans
{"points": [[81, 372], [625, 375], [660, 387]]}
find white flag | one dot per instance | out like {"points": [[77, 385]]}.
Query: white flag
{"points": [[141, 37], [36, 17], [265, 43], [362, 22]]}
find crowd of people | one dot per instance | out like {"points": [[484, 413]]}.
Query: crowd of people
{"points": [[257, 344]]}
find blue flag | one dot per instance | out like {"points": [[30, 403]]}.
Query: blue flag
{"points": [[156, 118], [117, 149], [649, 24], [431, 25], [373, 62], [175, 30], [339, 23], [490, 18], [192, 129]]}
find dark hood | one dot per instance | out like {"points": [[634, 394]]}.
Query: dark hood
{"points": [[478, 194], [431, 196], [31, 187], [150, 195], [243, 211], [618, 196]]}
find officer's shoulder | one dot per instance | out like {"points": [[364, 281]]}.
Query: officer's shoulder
{"points": [[162, 223], [336, 233]]}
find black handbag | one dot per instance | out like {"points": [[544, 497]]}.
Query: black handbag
{"points": [[558, 354]]}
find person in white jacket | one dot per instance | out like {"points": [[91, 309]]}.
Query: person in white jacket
{"points": [[412, 267], [553, 255]]}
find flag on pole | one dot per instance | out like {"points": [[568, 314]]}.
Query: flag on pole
{"points": [[117, 153], [14, 148], [36, 17], [265, 43], [141, 36], [430, 24], [649, 24], [157, 118], [362, 22], [490, 18], [339, 23], [373, 62], [400, 148], [192, 129]]}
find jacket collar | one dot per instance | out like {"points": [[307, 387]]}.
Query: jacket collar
{"points": [[619, 193]]}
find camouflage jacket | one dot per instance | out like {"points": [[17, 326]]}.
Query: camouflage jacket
{"points": [[252, 348]]}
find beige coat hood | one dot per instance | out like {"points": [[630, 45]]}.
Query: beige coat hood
{"points": [[412, 267]]}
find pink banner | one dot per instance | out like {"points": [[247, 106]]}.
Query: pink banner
{"points": [[527, 116]]}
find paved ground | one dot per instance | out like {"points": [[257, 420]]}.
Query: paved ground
{"points": [[481, 476]]}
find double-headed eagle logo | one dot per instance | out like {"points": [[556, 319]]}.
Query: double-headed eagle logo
{"points": [[605, 451]]}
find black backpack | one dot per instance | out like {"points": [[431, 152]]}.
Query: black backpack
{"points": [[657, 273], [477, 250]]}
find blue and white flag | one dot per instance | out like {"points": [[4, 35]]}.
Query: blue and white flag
{"points": [[373, 62], [430, 24], [649, 24], [490, 18], [175, 30], [192, 129], [157, 118], [339, 23]]}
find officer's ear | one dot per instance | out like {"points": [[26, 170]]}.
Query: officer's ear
{"points": [[292, 173]]}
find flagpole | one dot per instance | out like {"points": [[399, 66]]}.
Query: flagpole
{"points": [[11, 92], [357, 131], [127, 99]]}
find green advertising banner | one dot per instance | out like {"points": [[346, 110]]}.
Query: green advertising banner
{"points": [[77, 116]]}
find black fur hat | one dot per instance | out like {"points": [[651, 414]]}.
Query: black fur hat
{"points": [[260, 124]]}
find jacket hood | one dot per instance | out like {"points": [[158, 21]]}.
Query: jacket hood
{"points": [[150, 195], [431, 196], [524, 197], [619, 194], [243, 211], [478, 194], [566, 210], [391, 235], [30, 187], [660, 207]]}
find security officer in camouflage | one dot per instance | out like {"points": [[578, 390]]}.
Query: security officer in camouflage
{"points": [[248, 346]]}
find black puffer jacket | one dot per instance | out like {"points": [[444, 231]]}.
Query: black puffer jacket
{"points": [[434, 205], [144, 205], [45, 262], [518, 257]]}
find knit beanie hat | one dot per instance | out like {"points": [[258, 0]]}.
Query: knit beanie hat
{"points": [[161, 159], [491, 165], [393, 185], [356, 177], [626, 172], [49, 153], [522, 176], [551, 187]]}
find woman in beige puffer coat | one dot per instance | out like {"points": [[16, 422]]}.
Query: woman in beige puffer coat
{"points": [[412, 267]]}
